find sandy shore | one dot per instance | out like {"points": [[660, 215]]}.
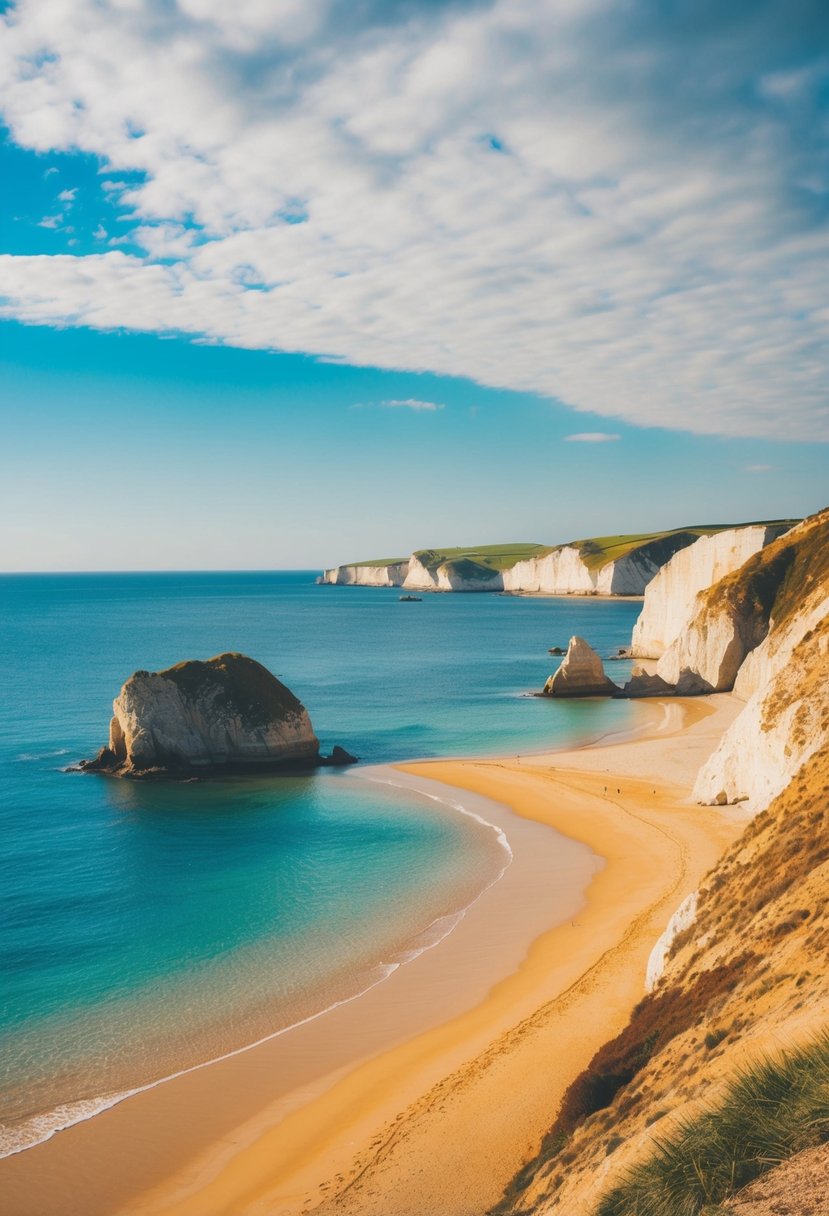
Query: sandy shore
{"points": [[427, 1093]]}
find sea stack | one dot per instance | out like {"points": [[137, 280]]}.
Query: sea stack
{"points": [[581, 674], [228, 713]]}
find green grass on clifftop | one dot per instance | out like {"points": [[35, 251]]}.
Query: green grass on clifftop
{"points": [[490, 557], [596, 551]]}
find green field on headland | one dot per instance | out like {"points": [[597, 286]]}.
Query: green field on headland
{"points": [[596, 551]]}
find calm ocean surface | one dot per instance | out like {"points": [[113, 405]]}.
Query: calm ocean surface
{"points": [[145, 928]]}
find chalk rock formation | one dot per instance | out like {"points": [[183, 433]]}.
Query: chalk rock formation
{"points": [[228, 712], [568, 569], [585, 567], [645, 684], [730, 619], [461, 574], [389, 575], [581, 674], [670, 597], [786, 677], [559, 572], [782, 726]]}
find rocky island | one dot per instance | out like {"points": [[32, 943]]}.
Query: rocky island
{"points": [[225, 714]]}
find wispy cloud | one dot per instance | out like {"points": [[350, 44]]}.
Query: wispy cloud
{"points": [[575, 199], [50, 221], [759, 468], [592, 437], [68, 196], [412, 403]]}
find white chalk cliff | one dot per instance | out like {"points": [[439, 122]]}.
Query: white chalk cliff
{"points": [[669, 597], [225, 712], [571, 569], [785, 679], [391, 575]]}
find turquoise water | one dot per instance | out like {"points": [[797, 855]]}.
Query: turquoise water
{"points": [[145, 928]]}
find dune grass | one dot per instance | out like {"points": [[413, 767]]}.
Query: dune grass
{"points": [[769, 1113]]}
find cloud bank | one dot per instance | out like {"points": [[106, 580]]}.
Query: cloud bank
{"points": [[621, 207], [592, 437]]}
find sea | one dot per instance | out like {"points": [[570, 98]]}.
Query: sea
{"points": [[149, 927]]}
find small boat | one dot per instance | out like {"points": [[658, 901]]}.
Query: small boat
{"points": [[410, 599]]}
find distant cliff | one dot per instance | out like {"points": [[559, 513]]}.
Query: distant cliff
{"points": [[607, 565]]}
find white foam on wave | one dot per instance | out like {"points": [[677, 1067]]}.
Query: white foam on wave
{"points": [[24, 757], [42, 1127]]}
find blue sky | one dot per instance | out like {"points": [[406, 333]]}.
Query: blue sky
{"points": [[286, 284]]}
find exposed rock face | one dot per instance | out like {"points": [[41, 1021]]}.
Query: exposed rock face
{"points": [[580, 568], [460, 575], [707, 656], [391, 575], [645, 684], [567, 570], [228, 712], [783, 724], [785, 679], [560, 572], [681, 920], [669, 597], [581, 674], [732, 618]]}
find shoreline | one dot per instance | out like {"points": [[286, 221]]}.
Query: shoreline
{"points": [[291, 1153], [259, 1083], [374, 972]]}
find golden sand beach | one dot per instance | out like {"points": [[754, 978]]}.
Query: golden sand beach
{"points": [[427, 1093]]}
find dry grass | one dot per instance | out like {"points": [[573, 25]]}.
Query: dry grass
{"points": [[750, 971]]}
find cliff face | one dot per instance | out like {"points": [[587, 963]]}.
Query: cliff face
{"points": [[391, 575], [784, 680], [227, 712], [764, 597], [425, 573], [669, 598], [617, 565]]}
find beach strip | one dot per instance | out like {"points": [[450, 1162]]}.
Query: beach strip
{"points": [[439, 1120]]}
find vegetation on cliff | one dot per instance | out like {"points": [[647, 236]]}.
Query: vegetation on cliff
{"points": [[481, 561], [748, 976], [774, 1109]]}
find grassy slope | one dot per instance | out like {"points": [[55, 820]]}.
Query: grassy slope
{"points": [[596, 551], [747, 978]]}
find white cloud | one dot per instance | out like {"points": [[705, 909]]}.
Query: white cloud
{"points": [[411, 403], [50, 221], [68, 196], [592, 437], [570, 198], [759, 468]]}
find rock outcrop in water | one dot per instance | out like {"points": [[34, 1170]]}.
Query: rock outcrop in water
{"points": [[581, 674], [228, 713]]}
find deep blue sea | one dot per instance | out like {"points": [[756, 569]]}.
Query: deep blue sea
{"points": [[147, 927]]}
